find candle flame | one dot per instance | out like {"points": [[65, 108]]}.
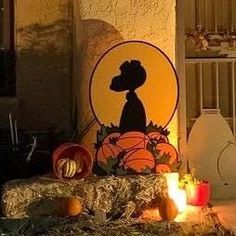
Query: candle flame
{"points": [[178, 195]]}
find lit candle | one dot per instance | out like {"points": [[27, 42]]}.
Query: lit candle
{"points": [[172, 180], [178, 195], [180, 200]]}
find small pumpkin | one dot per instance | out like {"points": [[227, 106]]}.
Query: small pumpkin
{"points": [[72, 206], [81, 161], [168, 209], [66, 167]]}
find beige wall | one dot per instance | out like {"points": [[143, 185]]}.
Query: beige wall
{"points": [[43, 53], [107, 22], [43, 68]]}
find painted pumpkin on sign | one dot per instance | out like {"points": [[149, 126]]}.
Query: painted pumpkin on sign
{"points": [[162, 168], [157, 137], [109, 148], [169, 150], [132, 140], [138, 160]]}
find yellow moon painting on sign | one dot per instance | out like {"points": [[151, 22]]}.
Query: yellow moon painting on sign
{"points": [[158, 94]]}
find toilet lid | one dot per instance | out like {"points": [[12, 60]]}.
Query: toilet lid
{"points": [[208, 137]]}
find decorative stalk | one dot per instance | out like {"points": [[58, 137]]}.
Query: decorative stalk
{"points": [[11, 129], [34, 144], [16, 133]]}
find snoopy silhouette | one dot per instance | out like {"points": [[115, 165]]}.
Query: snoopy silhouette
{"points": [[132, 76]]}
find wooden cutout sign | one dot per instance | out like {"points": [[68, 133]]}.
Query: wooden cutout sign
{"points": [[134, 94]]}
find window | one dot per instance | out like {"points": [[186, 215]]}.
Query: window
{"points": [[7, 59], [206, 61]]}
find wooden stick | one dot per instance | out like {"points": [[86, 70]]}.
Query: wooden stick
{"points": [[16, 132], [11, 128]]}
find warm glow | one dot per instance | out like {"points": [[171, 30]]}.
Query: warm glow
{"points": [[178, 195], [180, 199], [172, 180], [173, 128], [151, 214]]}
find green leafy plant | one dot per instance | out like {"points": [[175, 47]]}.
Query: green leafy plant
{"points": [[189, 179]]}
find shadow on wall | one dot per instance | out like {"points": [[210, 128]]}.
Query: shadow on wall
{"points": [[44, 71], [44, 55], [98, 37]]}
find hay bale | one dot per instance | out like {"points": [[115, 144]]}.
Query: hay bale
{"points": [[114, 195]]}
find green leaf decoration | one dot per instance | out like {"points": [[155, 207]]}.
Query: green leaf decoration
{"points": [[155, 128], [130, 171], [110, 167], [151, 128], [101, 135], [147, 170], [121, 155], [112, 162], [176, 166], [164, 159], [112, 129], [104, 167], [151, 147], [121, 171], [99, 169]]}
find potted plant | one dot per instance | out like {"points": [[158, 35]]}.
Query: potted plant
{"points": [[197, 191]]}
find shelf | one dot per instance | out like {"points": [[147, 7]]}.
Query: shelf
{"points": [[226, 118], [210, 60]]}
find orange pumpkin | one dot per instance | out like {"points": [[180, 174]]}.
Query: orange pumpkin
{"points": [[157, 137], [166, 148], [106, 151], [132, 140], [73, 206], [109, 148], [162, 168], [138, 160], [111, 138]]}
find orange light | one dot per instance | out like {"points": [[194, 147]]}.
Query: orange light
{"points": [[178, 195]]}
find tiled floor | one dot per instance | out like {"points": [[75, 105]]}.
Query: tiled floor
{"points": [[226, 210]]}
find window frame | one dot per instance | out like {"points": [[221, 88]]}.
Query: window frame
{"points": [[181, 62], [9, 78]]}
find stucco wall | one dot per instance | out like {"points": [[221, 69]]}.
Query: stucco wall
{"points": [[43, 55], [107, 22], [43, 66]]}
